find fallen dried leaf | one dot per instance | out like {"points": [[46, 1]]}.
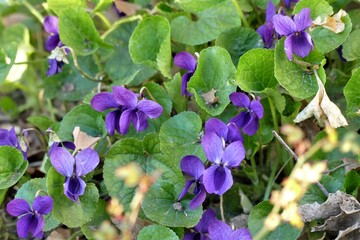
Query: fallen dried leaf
{"points": [[82, 140], [333, 23], [325, 111], [210, 97]]}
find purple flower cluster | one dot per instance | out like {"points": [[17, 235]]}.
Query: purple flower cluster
{"points": [[209, 228], [31, 219], [53, 44], [186, 61], [73, 168], [224, 149], [9, 138], [126, 109], [267, 30]]}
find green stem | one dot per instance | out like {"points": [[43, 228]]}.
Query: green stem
{"points": [[75, 235], [104, 20], [278, 151], [34, 11], [241, 13], [121, 21], [222, 208]]}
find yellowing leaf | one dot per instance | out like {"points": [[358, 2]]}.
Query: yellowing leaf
{"points": [[333, 23], [82, 140], [325, 111]]}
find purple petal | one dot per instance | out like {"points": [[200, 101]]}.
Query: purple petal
{"points": [[23, 225], [186, 189], [284, 25], [189, 236], [208, 217], [239, 120], [198, 199], [219, 230], [251, 126], [43, 204], [301, 44], [125, 97], [185, 60], [150, 108], [51, 24], [62, 161], [52, 42], [213, 147], [185, 79], [126, 118], [288, 46], [111, 120], [37, 225], [270, 11], [217, 126], [192, 166], [102, 101], [241, 234], [53, 68], [240, 99], [233, 154], [18, 207], [217, 179], [86, 161], [257, 108], [74, 187], [303, 20], [234, 133], [267, 31], [140, 122]]}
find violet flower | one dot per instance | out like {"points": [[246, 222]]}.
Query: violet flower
{"points": [[186, 61], [217, 178], [219, 230], [127, 109], [248, 120], [54, 67], [230, 133], [9, 138], [73, 168], [201, 229], [289, 3], [31, 220], [192, 166], [297, 40], [267, 30]]}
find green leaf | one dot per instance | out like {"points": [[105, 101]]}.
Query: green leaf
{"points": [[159, 206], [65, 210], [28, 192], [150, 44], [60, 5], [180, 136], [100, 215], [12, 166], [296, 79], [117, 61], [160, 95], [276, 97], [207, 26], [174, 89], [351, 47], [255, 70], [320, 8], [355, 18], [256, 221], [103, 5], [352, 95], [155, 232], [214, 71], [77, 30], [352, 183], [198, 5], [148, 155], [326, 40], [89, 121], [237, 41], [41, 122]]}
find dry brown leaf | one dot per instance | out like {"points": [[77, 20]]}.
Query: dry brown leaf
{"points": [[127, 8], [59, 234], [333, 23], [82, 140], [321, 107], [351, 164], [210, 97]]}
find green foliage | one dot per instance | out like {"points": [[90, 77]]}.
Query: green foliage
{"points": [[41, 122], [208, 25], [255, 70], [65, 210], [198, 5], [320, 8], [155, 232], [214, 71], [150, 44], [352, 183], [174, 89], [351, 47], [12, 166], [60, 5]]}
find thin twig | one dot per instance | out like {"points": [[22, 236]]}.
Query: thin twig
{"points": [[222, 208], [293, 154]]}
